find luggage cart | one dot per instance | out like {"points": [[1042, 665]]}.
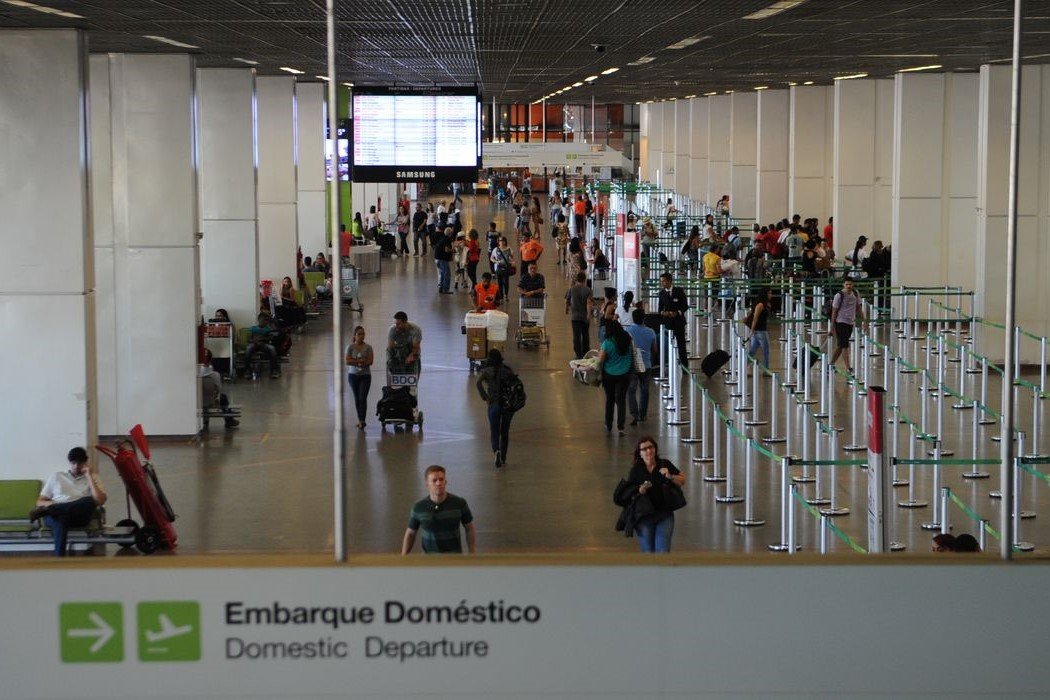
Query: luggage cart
{"points": [[532, 322], [350, 278], [399, 405]]}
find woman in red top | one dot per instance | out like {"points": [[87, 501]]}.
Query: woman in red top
{"points": [[473, 256]]}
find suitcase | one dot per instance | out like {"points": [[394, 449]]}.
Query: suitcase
{"points": [[396, 404], [714, 362]]}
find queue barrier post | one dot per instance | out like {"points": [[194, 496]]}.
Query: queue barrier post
{"points": [[982, 535], [1018, 514], [786, 543], [705, 430], [855, 410], [818, 487], [749, 519], [824, 410], [911, 501], [834, 510], [677, 416], [792, 541], [984, 391], [1035, 423], [975, 446], [774, 428], [805, 477], [945, 525], [693, 438], [730, 495], [824, 534], [935, 521]]}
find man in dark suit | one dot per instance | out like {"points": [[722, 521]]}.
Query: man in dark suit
{"points": [[672, 308]]}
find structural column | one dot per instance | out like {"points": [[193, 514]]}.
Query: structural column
{"points": [[863, 161], [742, 155], [278, 218], [644, 142], [809, 154], [147, 258], [46, 305], [934, 166], [230, 245], [1033, 217], [669, 150], [683, 140], [771, 162], [656, 143], [719, 174], [310, 177], [700, 112]]}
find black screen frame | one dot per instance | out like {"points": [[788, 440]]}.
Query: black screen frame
{"points": [[420, 173]]}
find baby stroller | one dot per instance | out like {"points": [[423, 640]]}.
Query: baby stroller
{"points": [[387, 243], [460, 277]]}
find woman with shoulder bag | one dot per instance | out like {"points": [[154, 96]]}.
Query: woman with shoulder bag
{"points": [[616, 362], [659, 481]]}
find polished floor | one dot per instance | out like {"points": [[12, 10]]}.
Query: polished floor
{"points": [[268, 485]]}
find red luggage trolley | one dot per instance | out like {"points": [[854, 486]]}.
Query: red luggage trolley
{"points": [[142, 486]]}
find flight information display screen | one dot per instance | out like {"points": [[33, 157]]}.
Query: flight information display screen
{"points": [[416, 134]]}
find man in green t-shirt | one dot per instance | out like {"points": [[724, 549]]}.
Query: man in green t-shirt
{"points": [[439, 515]]}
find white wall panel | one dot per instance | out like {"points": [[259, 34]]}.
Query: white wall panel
{"points": [[276, 248], [46, 264], [809, 155], [743, 154], [310, 176], [771, 153], [700, 112], [278, 194], [229, 277]]}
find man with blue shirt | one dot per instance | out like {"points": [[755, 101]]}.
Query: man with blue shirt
{"points": [[644, 339]]}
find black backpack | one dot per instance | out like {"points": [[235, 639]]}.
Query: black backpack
{"points": [[511, 392]]}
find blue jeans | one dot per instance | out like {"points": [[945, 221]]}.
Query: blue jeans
{"points": [[655, 535], [444, 275], [360, 384], [760, 339], [499, 428], [62, 516]]}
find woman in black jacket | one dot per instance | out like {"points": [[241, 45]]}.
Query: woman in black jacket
{"points": [[656, 479]]}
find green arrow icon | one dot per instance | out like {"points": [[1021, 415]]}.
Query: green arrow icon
{"points": [[91, 632]]}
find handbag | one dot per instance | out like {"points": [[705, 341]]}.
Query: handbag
{"points": [[639, 361], [674, 498]]}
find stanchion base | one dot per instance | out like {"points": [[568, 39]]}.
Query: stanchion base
{"points": [[995, 494], [729, 499], [900, 482], [730, 382], [820, 415], [789, 385], [690, 441], [897, 547], [944, 453], [810, 402], [677, 422], [834, 512], [714, 479], [749, 523], [986, 421], [973, 371], [835, 428], [997, 438], [976, 475], [1023, 546], [912, 504], [756, 422], [862, 392], [803, 479], [773, 440], [783, 547], [818, 501], [962, 406], [857, 448], [703, 460], [930, 526], [744, 409], [908, 370], [1027, 515], [953, 359]]}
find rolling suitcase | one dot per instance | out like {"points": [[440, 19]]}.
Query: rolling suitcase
{"points": [[714, 362]]}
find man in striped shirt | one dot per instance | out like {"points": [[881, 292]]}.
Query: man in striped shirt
{"points": [[439, 516]]}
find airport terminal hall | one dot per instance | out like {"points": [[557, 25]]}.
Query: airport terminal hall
{"points": [[511, 309]]}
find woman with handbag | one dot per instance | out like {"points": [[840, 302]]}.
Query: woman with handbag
{"points": [[659, 481], [616, 362], [502, 259]]}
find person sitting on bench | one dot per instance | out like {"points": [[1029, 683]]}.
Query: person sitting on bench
{"points": [[211, 391], [69, 498]]}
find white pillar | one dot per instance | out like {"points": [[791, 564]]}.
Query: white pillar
{"points": [[863, 158], [683, 139], [46, 307], [809, 171], [935, 118], [668, 113], [657, 174], [700, 112], [230, 245], [743, 155], [771, 162], [278, 218], [644, 141], [310, 177], [152, 299], [1033, 217], [719, 176]]}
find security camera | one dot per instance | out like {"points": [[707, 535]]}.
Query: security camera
{"points": [[600, 48]]}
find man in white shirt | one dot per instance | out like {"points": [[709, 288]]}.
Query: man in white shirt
{"points": [[69, 498]]}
